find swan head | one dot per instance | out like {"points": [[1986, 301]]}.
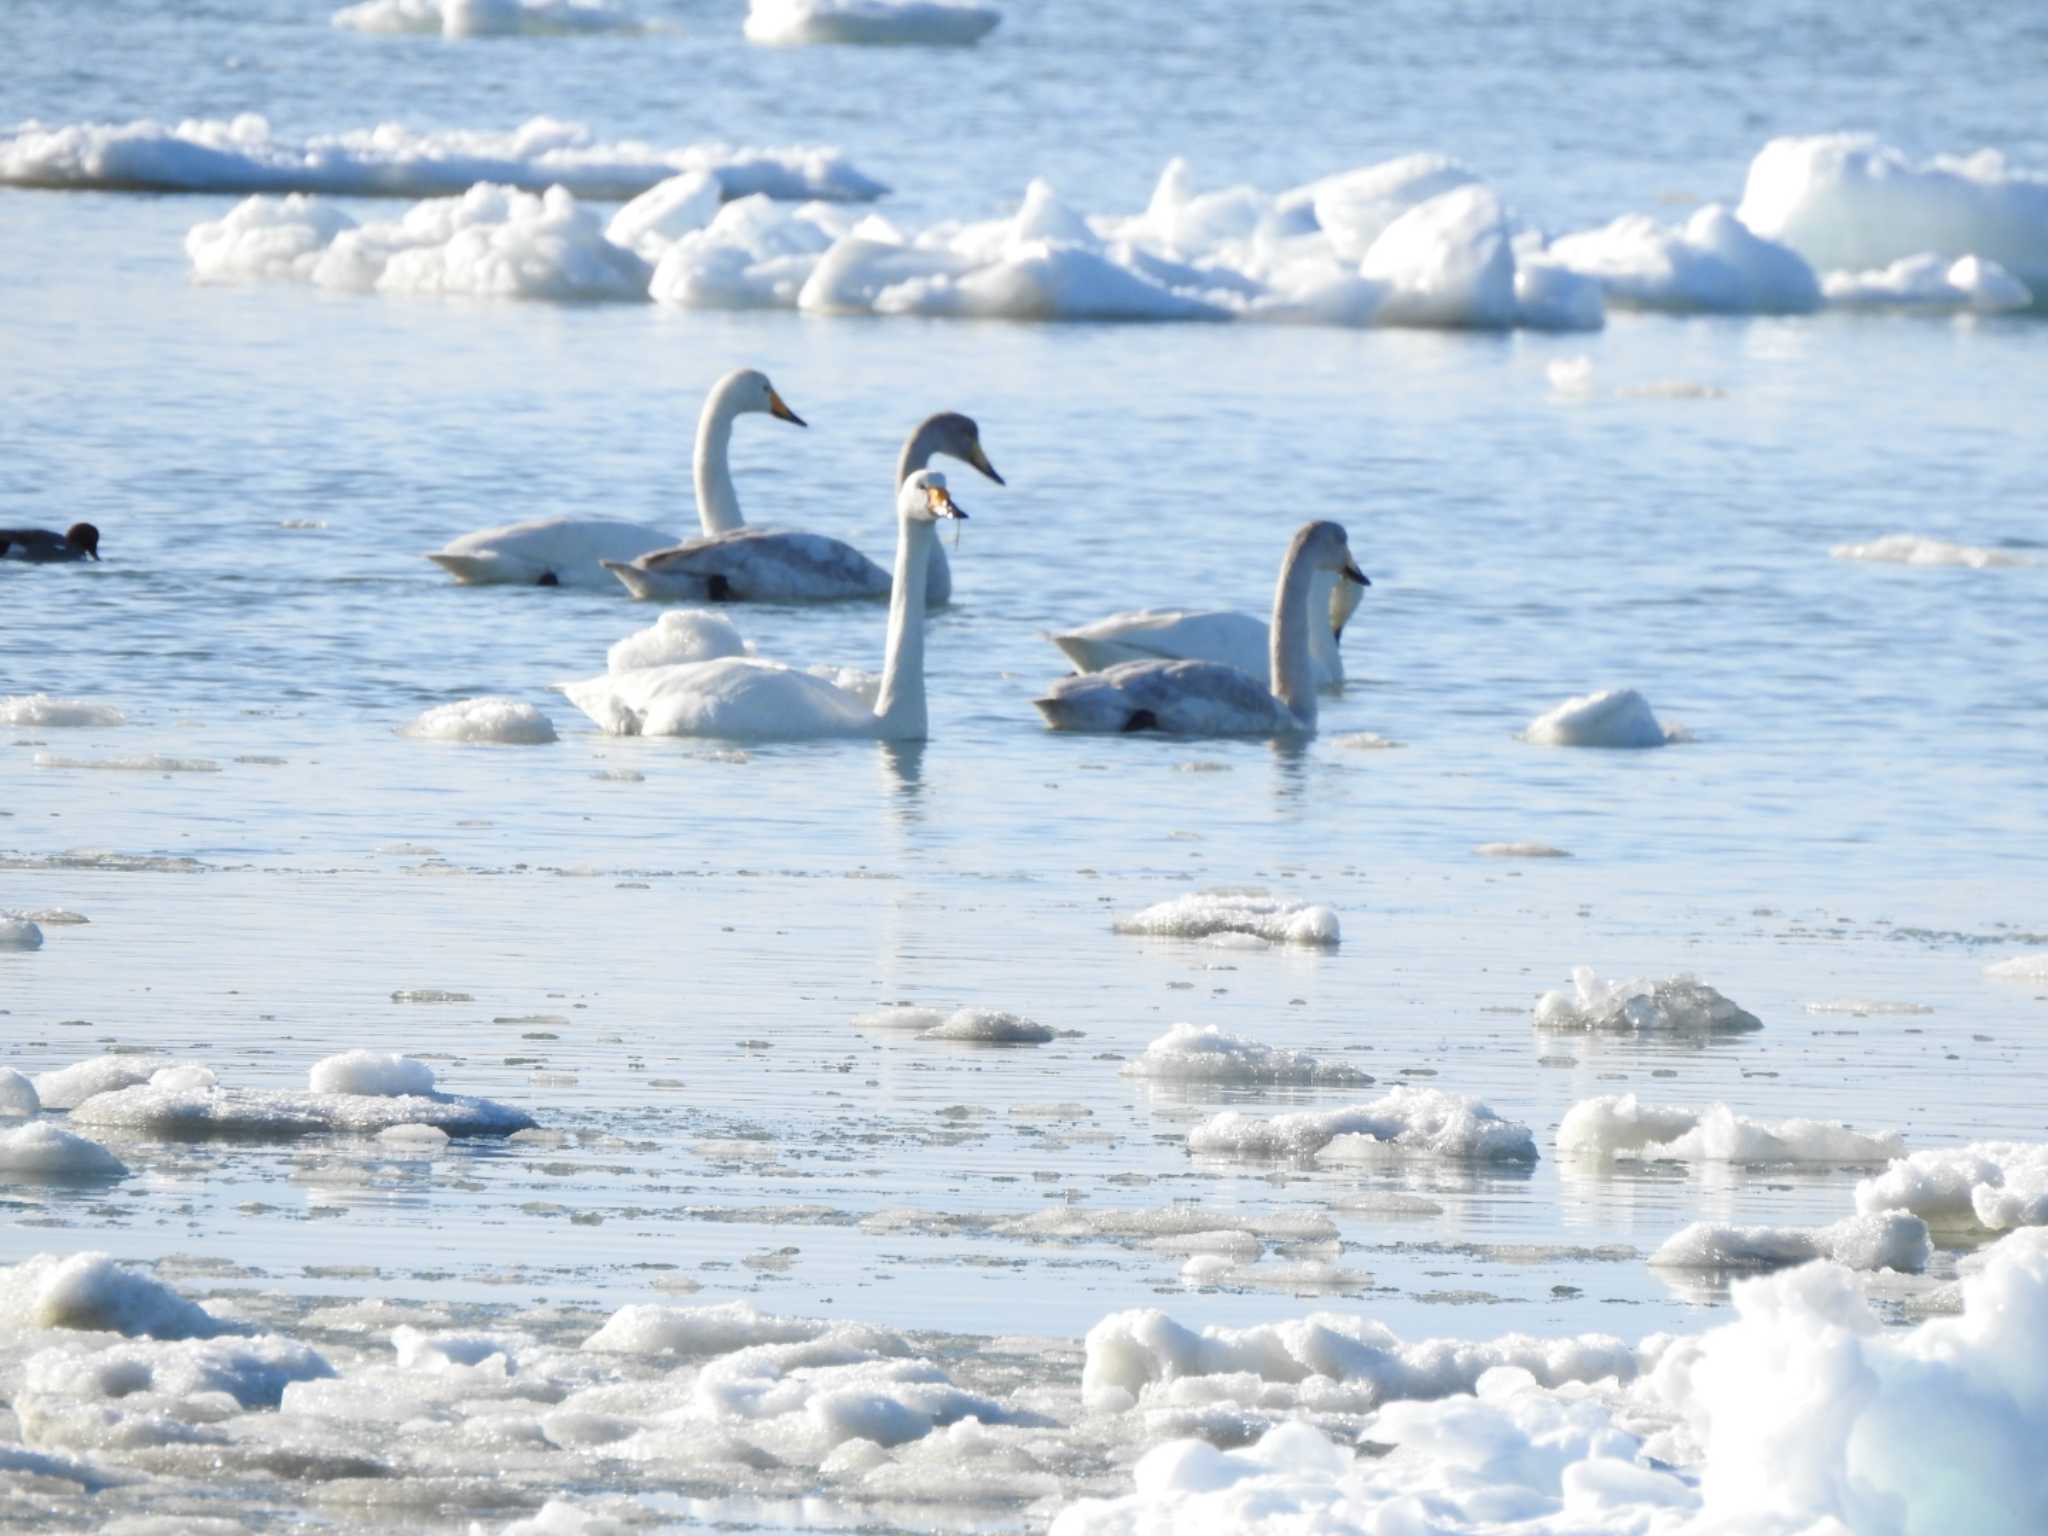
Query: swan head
{"points": [[1344, 600], [925, 499], [1324, 546], [748, 389], [84, 538], [958, 437]]}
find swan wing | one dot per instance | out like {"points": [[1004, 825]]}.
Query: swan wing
{"points": [[735, 697], [1182, 698], [546, 551], [1169, 634], [769, 565]]}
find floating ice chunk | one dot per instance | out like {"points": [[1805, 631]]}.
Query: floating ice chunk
{"points": [[1131, 1354], [1845, 201], [1618, 717], [1209, 914], [558, 1517], [1884, 1240], [1354, 208], [371, 1072], [1863, 1007], [2032, 967], [503, 721], [1990, 1184], [188, 1076], [1225, 1228], [92, 1293], [936, 23], [1682, 1003], [919, 1019], [989, 1026], [242, 155], [1713, 263], [69, 1087], [1969, 284], [1916, 549], [40, 1151], [1189, 1054], [42, 712], [1446, 262], [189, 1114], [1521, 851], [719, 1330], [54, 917], [1621, 1125], [680, 634], [1407, 1121], [663, 214], [1571, 377], [494, 241], [485, 18], [419, 1138], [17, 1095], [252, 1372], [19, 933], [154, 762]]}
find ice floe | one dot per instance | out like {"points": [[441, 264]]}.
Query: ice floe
{"points": [[505, 722], [1846, 202], [1917, 549], [485, 18], [1893, 1240], [379, 1092], [1520, 851], [370, 1072], [18, 1095], [1864, 1007], [1217, 915], [938, 23], [91, 1293], [1190, 1054], [243, 155], [1968, 284], [1679, 1003], [40, 711], [1622, 1126], [2032, 967], [1712, 263], [69, 1087], [20, 933], [989, 1026], [681, 634], [1408, 1121], [40, 1151], [492, 241], [154, 762], [1990, 1185], [1618, 717]]}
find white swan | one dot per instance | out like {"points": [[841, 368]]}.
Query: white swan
{"points": [[742, 697], [1219, 635], [1202, 698], [768, 565], [565, 551]]}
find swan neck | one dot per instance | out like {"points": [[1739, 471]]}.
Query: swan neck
{"points": [[1294, 610], [900, 706], [718, 503], [1322, 636], [918, 449]]}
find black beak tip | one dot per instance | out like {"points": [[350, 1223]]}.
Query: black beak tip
{"points": [[960, 514], [798, 420]]}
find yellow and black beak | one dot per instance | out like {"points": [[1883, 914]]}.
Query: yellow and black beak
{"points": [[777, 408], [941, 503], [980, 461], [1353, 573]]}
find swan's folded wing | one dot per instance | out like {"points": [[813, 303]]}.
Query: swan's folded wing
{"points": [[1183, 698], [568, 549], [1168, 634], [770, 565], [736, 697]]}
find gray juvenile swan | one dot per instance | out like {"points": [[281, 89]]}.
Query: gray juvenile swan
{"points": [[769, 565], [566, 551], [749, 699], [1204, 698], [39, 546]]}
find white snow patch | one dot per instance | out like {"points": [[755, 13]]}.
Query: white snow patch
{"points": [[1209, 914], [485, 18], [2032, 967], [680, 634], [1892, 1240], [932, 23], [1206, 1054], [40, 1151], [390, 160], [1712, 264], [1618, 717], [1993, 1185], [40, 711], [1967, 285], [719, 1330], [92, 1293], [664, 213], [1917, 549], [1622, 1126], [69, 1087], [1408, 1121], [1678, 1003], [371, 1072], [510, 722]]}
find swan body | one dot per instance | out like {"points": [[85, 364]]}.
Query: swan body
{"points": [[569, 551], [766, 565], [1207, 698], [1228, 638], [681, 634], [749, 699], [40, 546]]}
